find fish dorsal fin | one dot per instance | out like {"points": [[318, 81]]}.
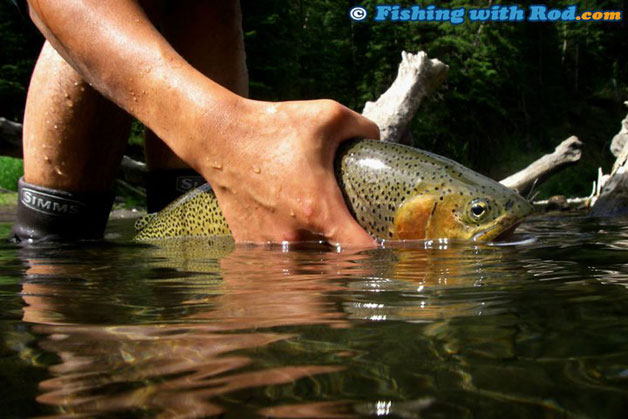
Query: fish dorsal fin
{"points": [[412, 219], [143, 221]]}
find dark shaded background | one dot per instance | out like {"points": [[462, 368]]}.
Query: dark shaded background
{"points": [[514, 90]]}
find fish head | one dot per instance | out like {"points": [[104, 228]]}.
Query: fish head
{"points": [[464, 205]]}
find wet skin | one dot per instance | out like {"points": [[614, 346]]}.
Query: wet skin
{"points": [[270, 164]]}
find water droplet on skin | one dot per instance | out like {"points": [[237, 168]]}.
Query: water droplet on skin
{"points": [[292, 214], [46, 158], [66, 95], [257, 170], [271, 109], [216, 165], [70, 104], [59, 172], [76, 83], [56, 126], [82, 89], [148, 69]]}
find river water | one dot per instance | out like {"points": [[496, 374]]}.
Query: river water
{"points": [[536, 327]]}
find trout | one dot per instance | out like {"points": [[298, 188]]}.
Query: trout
{"points": [[395, 192]]}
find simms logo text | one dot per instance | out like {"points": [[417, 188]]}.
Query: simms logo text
{"points": [[186, 183], [49, 204]]}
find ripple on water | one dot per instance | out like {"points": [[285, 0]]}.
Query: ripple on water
{"points": [[535, 326]]}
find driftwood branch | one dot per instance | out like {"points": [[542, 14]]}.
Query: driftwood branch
{"points": [[417, 77], [611, 198], [566, 153], [621, 138], [132, 171], [612, 190]]}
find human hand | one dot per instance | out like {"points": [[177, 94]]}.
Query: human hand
{"points": [[270, 164], [274, 179]]}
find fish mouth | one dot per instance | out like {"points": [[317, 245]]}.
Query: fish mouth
{"points": [[491, 234], [506, 234]]}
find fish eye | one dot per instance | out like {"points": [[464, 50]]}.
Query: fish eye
{"points": [[478, 208]]}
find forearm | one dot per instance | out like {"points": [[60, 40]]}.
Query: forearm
{"points": [[114, 47], [270, 165]]}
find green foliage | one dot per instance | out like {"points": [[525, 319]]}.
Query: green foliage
{"points": [[10, 172], [20, 46], [7, 199], [136, 137], [514, 90]]}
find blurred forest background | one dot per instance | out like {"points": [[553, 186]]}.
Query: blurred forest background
{"points": [[514, 90]]}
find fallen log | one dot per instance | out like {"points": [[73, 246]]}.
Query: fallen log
{"points": [[10, 138], [417, 77], [612, 197], [562, 203], [565, 154], [132, 171]]}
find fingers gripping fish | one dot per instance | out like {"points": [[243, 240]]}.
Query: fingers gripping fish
{"points": [[393, 191]]}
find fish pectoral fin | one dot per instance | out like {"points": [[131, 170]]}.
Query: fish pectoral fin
{"points": [[412, 218], [143, 221]]}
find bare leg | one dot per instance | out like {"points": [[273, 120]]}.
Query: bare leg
{"points": [[73, 142], [208, 34], [73, 137]]}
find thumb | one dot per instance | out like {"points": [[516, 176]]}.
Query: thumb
{"points": [[359, 126], [345, 230]]}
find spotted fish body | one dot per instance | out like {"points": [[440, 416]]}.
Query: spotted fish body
{"points": [[393, 191]]}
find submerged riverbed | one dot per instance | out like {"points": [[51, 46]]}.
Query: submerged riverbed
{"points": [[438, 329]]}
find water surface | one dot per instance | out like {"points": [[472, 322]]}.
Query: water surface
{"points": [[430, 329]]}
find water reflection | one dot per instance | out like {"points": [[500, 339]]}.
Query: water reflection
{"points": [[174, 365], [203, 305], [198, 328]]}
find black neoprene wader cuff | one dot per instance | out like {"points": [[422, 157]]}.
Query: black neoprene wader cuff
{"points": [[164, 186], [45, 214]]}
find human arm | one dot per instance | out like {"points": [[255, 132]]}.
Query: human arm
{"points": [[270, 164]]}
